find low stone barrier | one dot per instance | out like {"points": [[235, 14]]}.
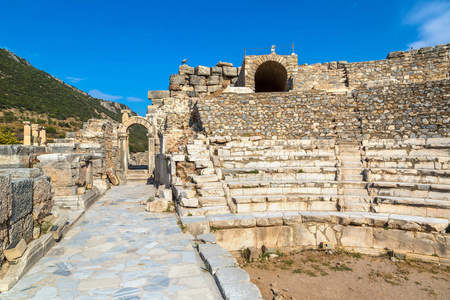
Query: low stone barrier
{"points": [[352, 230]]}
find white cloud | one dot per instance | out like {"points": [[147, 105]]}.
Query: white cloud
{"points": [[100, 95], [74, 79], [433, 21], [135, 99]]}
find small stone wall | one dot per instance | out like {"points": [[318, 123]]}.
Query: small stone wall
{"points": [[400, 111], [19, 156], [25, 198]]}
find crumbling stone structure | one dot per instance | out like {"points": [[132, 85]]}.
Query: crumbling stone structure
{"points": [[33, 134], [293, 156]]}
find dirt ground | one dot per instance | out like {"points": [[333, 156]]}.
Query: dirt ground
{"points": [[343, 275]]}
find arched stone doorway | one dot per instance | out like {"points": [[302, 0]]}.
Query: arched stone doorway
{"points": [[271, 76], [127, 122]]}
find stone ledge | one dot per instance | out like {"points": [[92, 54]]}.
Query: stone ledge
{"points": [[35, 251]]}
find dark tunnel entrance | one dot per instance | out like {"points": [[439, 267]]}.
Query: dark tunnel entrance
{"points": [[271, 76]]}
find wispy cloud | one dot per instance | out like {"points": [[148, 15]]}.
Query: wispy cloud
{"points": [[98, 94], [433, 21], [74, 79], [135, 99]]}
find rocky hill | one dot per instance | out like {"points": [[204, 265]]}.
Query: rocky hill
{"points": [[30, 94]]}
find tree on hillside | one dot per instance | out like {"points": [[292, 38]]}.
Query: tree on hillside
{"points": [[7, 137]]}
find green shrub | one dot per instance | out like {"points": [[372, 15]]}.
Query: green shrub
{"points": [[7, 137]]}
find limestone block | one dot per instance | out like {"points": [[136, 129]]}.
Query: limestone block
{"points": [[213, 80], [240, 291], [166, 194], [216, 71], [443, 246], [22, 198], [224, 64], [357, 237], [112, 176], [189, 202], [185, 69], [230, 71], [5, 198], [208, 251], [424, 243], [202, 71], [236, 238], [196, 225], [15, 250], [157, 205], [202, 164], [232, 275], [214, 88], [220, 262], [175, 87], [197, 80], [177, 79], [207, 238], [201, 88], [279, 236], [393, 239], [42, 198]]}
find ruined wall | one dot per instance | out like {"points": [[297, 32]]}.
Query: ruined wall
{"points": [[402, 110], [197, 82], [292, 115], [426, 64], [420, 65], [19, 156], [415, 110], [25, 199], [326, 76]]}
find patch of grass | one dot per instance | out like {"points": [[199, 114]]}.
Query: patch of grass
{"points": [[189, 215], [341, 268], [300, 171], [213, 229], [288, 262], [356, 255], [45, 226], [151, 198], [182, 226], [326, 264], [417, 282], [169, 207], [310, 273], [297, 271]]}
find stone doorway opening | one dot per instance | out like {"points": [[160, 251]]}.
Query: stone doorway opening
{"points": [[140, 173], [137, 147], [271, 76]]}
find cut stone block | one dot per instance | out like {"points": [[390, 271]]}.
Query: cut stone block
{"points": [[15, 250], [220, 262], [240, 291], [202, 71]]}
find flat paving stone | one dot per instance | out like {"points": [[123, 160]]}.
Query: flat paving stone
{"points": [[118, 250]]}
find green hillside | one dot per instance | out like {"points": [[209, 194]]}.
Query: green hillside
{"points": [[29, 94]]}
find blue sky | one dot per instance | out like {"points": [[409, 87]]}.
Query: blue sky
{"points": [[118, 50]]}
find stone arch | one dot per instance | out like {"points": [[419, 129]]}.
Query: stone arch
{"points": [[271, 76], [282, 63], [136, 120], [127, 122]]}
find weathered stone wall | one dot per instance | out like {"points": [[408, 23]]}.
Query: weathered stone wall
{"points": [[398, 111], [292, 115], [417, 110], [18, 156], [197, 82], [25, 199], [326, 76], [426, 64]]}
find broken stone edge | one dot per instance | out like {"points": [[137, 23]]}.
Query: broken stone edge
{"points": [[236, 288]]}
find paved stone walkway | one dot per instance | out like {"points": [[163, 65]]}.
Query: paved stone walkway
{"points": [[120, 251]]}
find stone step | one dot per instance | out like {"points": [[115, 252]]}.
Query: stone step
{"points": [[203, 211], [286, 206], [413, 207], [371, 219], [348, 177], [357, 207], [351, 164], [212, 184], [355, 192], [203, 178], [211, 192], [331, 176], [280, 163], [273, 152], [279, 170], [265, 191], [283, 184], [352, 171], [212, 201], [362, 185]]}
